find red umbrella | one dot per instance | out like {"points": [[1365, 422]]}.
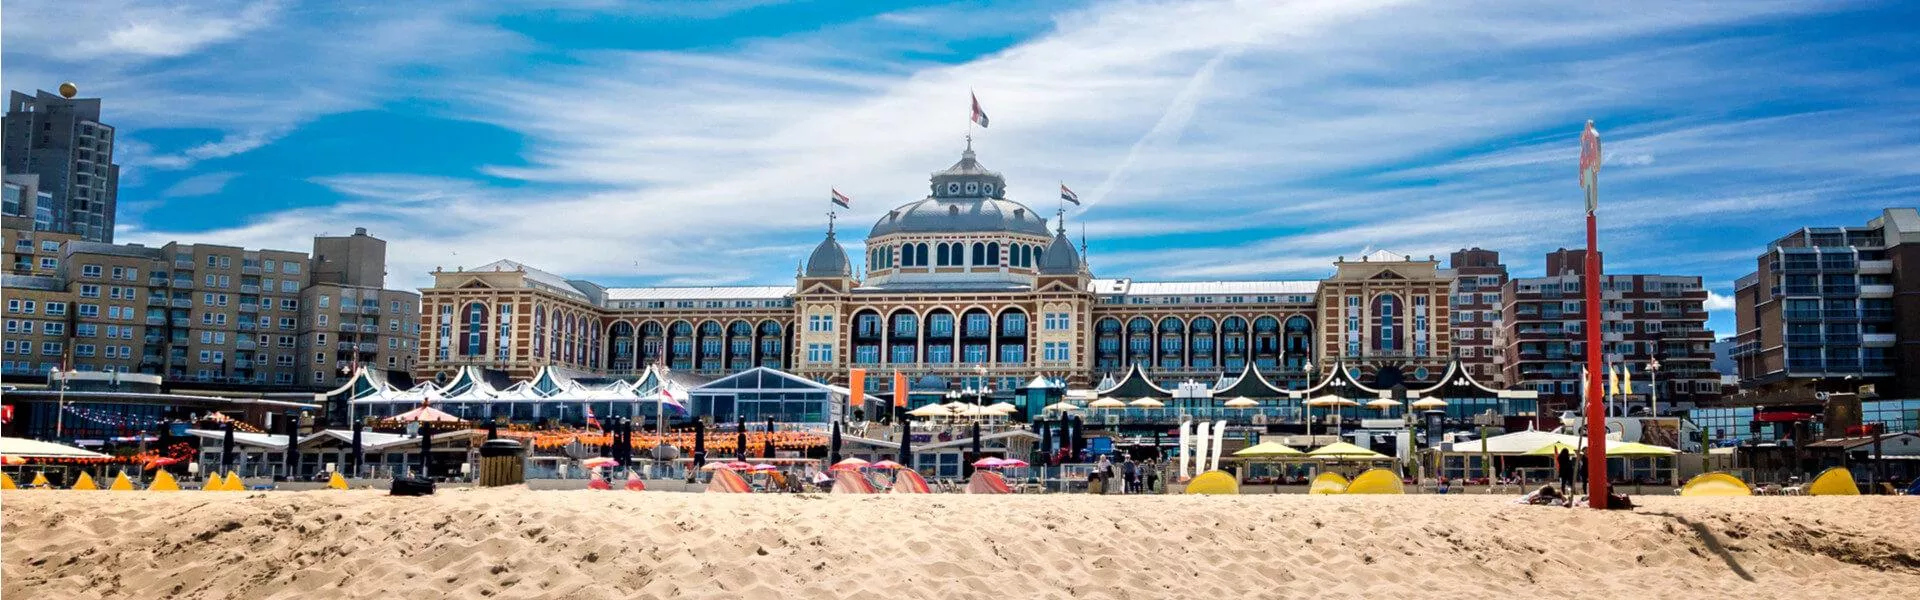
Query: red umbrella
{"points": [[851, 464], [12, 461], [160, 462], [887, 464], [634, 484]]}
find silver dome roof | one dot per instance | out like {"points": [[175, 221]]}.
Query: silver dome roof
{"points": [[1060, 258], [829, 260], [966, 198]]}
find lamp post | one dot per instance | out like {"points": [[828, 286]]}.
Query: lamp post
{"points": [[60, 414], [1653, 387]]}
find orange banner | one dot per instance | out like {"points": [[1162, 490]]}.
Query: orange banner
{"points": [[857, 382], [899, 389]]}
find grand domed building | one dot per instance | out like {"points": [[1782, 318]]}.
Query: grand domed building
{"points": [[963, 284]]}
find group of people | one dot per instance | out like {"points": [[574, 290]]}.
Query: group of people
{"points": [[1135, 477]]}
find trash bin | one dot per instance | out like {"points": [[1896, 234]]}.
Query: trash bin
{"points": [[502, 462]]}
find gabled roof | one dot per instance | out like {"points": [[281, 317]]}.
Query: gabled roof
{"points": [[544, 278], [1251, 384], [1136, 384]]}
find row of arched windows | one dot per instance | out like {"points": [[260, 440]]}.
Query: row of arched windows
{"points": [[955, 254], [1177, 344]]}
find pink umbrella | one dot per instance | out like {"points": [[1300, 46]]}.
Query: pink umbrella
{"points": [[715, 466], [764, 467], [1013, 463], [989, 463], [887, 464], [738, 465], [634, 483], [599, 461]]}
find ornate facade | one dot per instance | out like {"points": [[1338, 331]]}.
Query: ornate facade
{"points": [[961, 285]]}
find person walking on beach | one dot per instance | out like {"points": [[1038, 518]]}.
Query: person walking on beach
{"points": [[1130, 471], [1565, 462]]}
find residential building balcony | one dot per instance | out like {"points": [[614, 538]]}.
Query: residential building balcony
{"points": [[1876, 291], [1876, 314], [1846, 290], [249, 289], [153, 338], [244, 343], [353, 327], [369, 347], [149, 359], [1876, 267], [348, 309], [1806, 338], [156, 301], [1803, 315], [156, 282], [156, 320], [183, 322], [1843, 339], [183, 284], [344, 345], [249, 270], [182, 303], [1877, 339], [183, 264], [1842, 314], [245, 325], [1805, 365], [249, 308], [241, 363]]}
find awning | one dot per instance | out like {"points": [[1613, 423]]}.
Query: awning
{"points": [[26, 448], [1781, 416]]}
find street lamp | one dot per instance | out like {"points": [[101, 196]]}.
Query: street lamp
{"points": [[1653, 387]]}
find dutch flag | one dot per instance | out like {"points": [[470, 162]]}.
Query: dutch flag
{"points": [[1068, 195], [842, 199]]}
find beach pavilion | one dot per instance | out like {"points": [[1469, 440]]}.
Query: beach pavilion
{"points": [[264, 455]]}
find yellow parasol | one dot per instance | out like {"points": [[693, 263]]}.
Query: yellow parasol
{"points": [[1268, 450]]}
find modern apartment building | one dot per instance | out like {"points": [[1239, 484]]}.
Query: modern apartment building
{"points": [[1646, 319], [350, 319], [1478, 276], [1823, 306], [190, 312], [29, 252], [63, 142]]}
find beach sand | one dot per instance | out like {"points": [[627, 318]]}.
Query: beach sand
{"points": [[581, 545]]}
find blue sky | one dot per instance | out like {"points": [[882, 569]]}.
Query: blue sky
{"points": [[694, 142]]}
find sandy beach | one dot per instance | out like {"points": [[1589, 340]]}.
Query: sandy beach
{"points": [[591, 545]]}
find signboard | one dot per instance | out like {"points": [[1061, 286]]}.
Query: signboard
{"points": [[1100, 445]]}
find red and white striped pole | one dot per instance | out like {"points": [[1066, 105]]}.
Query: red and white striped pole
{"points": [[1595, 406]]}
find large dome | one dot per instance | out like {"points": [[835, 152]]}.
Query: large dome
{"points": [[966, 198], [961, 215]]}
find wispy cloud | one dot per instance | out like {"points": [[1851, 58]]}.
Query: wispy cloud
{"points": [[200, 185]]}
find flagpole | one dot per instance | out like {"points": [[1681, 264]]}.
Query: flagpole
{"points": [[1595, 415]]}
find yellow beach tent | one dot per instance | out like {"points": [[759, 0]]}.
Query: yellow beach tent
{"points": [[234, 484], [85, 482], [1328, 483], [1716, 483], [6, 483], [336, 482], [39, 479], [213, 482], [121, 483], [1837, 481], [164, 482], [1376, 481], [1214, 482]]}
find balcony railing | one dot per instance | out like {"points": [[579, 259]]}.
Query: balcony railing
{"points": [[249, 308], [369, 347], [354, 327], [1803, 315], [249, 270], [156, 301], [244, 343], [182, 303], [245, 325], [348, 309], [1876, 314], [249, 289], [185, 284], [183, 264], [1806, 338], [156, 282], [156, 320], [183, 322]]}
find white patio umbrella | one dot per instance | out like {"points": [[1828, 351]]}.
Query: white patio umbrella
{"points": [[1063, 406], [1242, 402], [1107, 403], [1429, 404], [1147, 403]]}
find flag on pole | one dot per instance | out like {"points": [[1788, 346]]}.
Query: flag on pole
{"points": [[1068, 195], [841, 199], [1613, 380], [979, 116], [1590, 163], [591, 421], [900, 389]]}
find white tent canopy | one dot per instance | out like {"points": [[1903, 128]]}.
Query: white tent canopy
{"points": [[1519, 442], [26, 448]]}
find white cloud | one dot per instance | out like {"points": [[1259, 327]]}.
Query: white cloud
{"points": [[200, 185], [1717, 301]]}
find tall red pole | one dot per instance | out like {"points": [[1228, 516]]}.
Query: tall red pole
{"points": [[1596, 408]]}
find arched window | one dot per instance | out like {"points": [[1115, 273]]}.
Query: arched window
{"points": [[979, 253], [993, 254], [539, 331], [1386, 317], [945, 256], [476, 325]]}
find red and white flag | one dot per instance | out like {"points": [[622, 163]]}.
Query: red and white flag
{"points": [[591, 421], [841, 199], [979, 116]]}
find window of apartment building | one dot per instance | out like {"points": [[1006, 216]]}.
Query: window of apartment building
{"points": [[221, 300], [266, 284], [289, 286], [54, 309], [267, 265], [225, 282], [285, 341], [286, 322], [393, 343], [113, 312], [89, 291], [51, 348], [320, 320], [206, 337], [819, 353], [119, 272], [92, 271], [55, 329], [89, 329], [85, 350], [206, 299], [210, 279], [326, 301], [213, 261], [90, 310], [206, 357], [320, 339], [206, 318], [284, 360], [13, 305], [289, 304], [393, 326], [226, 262], [48, 246], [49, 264]]}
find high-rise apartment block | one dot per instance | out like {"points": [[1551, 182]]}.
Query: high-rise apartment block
{"points": [[1478, 277], [1823, 305], [196, 312], [1647, 320], [350, 319], [64, 144]]}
